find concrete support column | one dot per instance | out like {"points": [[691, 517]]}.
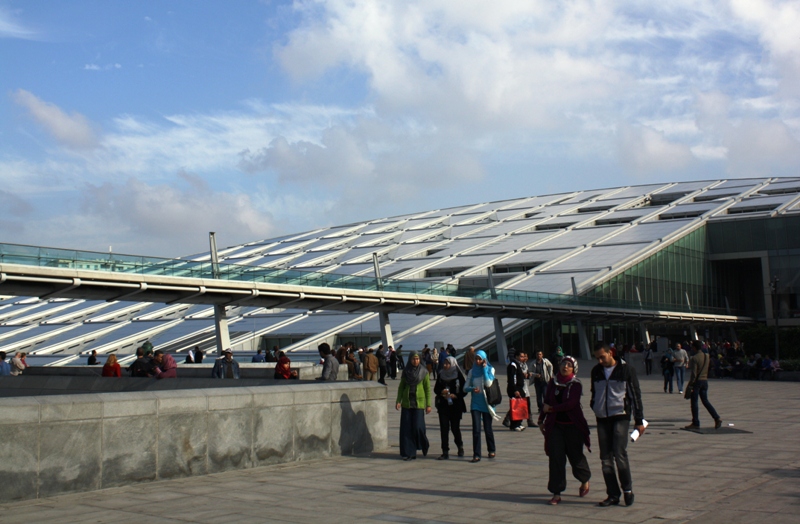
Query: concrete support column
{"points": [[693, 333], [500, 341], [386, 330], [584, 347], [223, 336], [645, 333]]}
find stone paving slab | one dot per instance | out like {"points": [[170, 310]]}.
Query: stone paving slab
{"points": [[679, 476]]}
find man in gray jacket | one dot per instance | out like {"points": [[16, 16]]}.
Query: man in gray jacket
{"points": [[330, 366], [615, 397]]}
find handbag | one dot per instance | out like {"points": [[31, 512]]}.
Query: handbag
{"points": [[493, 395], [519, 409], [687, 391]]}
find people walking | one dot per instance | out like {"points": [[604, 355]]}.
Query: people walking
{"points": [[414, 402], [565, 430], [517, 389], [615, 397], [392, 363], [449, 393], [225, 366], [469, 359], [666, 370], [542, 371], [370, 365], [481, 377], [382, 365], [680, 361], [698, 381], [648, 360]]}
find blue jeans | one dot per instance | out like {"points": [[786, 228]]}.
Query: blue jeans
{"points": [[701, 390], [477, 416], [679, 371]]}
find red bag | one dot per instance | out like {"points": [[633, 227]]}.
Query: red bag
{"points": [[519, 409]]}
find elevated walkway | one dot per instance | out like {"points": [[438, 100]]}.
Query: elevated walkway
{"points": [[48, 272]]}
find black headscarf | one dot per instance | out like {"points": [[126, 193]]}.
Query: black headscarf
{"points": [[413, 375]]}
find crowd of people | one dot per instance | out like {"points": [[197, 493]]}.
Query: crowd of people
{"points": [[726, 360], [15, 366], [615, 400]]}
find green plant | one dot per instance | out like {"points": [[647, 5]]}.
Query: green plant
{"points": [[761, 339], [792, 364]]}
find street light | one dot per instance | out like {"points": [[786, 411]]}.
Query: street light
{"points": [[774, 287]]}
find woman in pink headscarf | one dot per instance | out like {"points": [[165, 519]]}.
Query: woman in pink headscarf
{"points": [[165, 366]]}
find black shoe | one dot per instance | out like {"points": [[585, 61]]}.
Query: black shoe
{"points": [[718, 423], [460, 452], [628, 498], [610, 501], [443, 456]]}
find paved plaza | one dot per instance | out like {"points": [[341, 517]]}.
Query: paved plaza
{"points": [[679, 476]]}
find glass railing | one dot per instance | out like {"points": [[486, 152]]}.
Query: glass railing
{"points": [[112, 262]]}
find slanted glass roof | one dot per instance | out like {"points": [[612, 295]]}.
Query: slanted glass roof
{"points": [[433, 245]]}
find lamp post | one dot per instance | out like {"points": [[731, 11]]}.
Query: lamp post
{"points": [[774, 287]]}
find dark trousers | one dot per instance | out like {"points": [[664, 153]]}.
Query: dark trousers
{"points": [[612, 438], [393, 369], [701, 390], [540, 386], [450, 421], [412, 432], [382, 370], [566, 442], [486, 417], [648, 367], [668, 380]]}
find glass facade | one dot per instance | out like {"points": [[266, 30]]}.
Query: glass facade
{"points": [[680, 270]]}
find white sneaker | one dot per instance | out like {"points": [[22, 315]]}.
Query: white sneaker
{"points": [[681, 392]]}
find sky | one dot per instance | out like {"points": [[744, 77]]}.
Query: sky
{"points": [[141, 126]]}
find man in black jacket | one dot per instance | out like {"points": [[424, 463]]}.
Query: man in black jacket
{"points": [[615, 397], [382, 366], [516, 385]]}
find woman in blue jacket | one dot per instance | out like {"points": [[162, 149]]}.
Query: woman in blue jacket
{"points": [[479, 379]]}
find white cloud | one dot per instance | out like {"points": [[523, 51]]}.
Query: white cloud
{"points": [[646, 151], [10, 28], [174, 217], [72, 130], [531, 72], [107, 67]]}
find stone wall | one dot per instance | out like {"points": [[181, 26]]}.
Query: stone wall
{"points": [[60, 444]]}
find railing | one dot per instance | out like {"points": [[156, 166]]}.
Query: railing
{"points": [[118, 263]]}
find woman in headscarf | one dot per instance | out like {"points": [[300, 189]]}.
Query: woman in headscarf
{"points": [[565, 430], [449, 391], [414, 398], [479, 379], [283, 369]]}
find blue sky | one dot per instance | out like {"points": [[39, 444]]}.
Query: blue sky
{"points": [[144, 125]]}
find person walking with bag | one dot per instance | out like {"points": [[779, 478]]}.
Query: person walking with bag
{"points": [[450, 405], [414, 401], [480, 378], [517, 392], [698, 386], [565, 430]]}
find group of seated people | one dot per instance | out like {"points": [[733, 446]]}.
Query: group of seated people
{"points": [[730, 361]]}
